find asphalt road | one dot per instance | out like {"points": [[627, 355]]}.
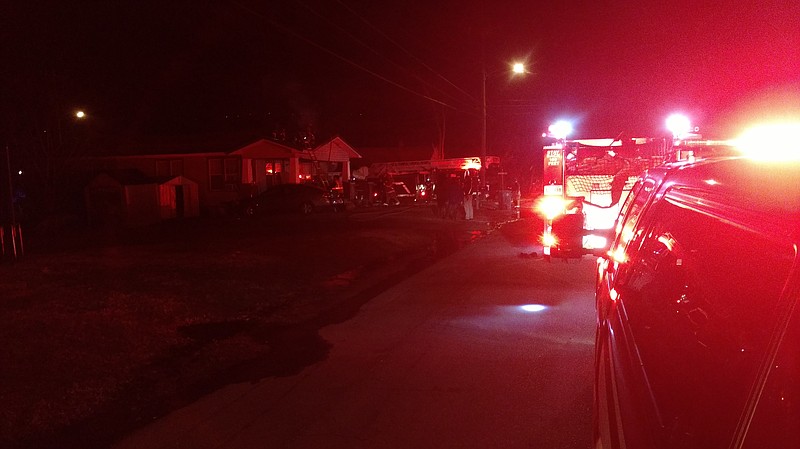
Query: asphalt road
{"points": [[484, 348]]}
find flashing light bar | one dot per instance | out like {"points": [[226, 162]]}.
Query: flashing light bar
{"points": [[771, 142]]}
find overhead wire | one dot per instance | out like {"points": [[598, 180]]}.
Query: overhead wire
{"points": [[355, 64], [379, 54], [411, 55]]}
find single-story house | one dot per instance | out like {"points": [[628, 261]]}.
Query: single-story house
{"points": [[225, 177]]}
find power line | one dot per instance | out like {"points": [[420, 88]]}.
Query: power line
{"points": [[369, 24], [291, 32], [379, 54]]}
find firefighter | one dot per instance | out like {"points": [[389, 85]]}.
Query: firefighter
{"points": [[469, 190]]}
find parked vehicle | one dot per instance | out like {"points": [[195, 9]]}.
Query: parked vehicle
{"points": [[698, 324], [294, 198], [402, 192], [378, 193], [365, 193]]}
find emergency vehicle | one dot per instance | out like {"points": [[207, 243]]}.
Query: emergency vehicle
{"points": [[422, 173], [698, 324], [585, 182]]}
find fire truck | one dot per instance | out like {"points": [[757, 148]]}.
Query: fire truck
{"points": [[419, 173], [585, 182]]}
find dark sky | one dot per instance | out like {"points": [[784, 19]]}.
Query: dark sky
{"points": [[381, 73]]}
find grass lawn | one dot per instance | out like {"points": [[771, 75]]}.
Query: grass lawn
{"points": [[103, 332]]}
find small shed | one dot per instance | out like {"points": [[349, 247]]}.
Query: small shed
{"points": [[122, 198], [178, 198]]}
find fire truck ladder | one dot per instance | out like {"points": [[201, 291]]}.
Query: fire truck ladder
{"points": [[315, 167]]}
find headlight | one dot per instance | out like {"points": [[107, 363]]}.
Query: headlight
{"points": [[592, 241]]}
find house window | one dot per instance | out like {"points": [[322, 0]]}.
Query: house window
{"points": [[169, 167], [274, 167], [306, 170], [224, 173]]}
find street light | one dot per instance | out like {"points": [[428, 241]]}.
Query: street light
{"points": [[517, 68], [11, 244], [78, 115]]}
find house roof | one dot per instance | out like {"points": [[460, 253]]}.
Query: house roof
{"points": [[125, 177], [178, 145], [335, 149], [266, 149], [132, 177], [176, 180]]}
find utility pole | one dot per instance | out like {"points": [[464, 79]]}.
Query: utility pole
{"points": [[484, 164], [10, 232]]}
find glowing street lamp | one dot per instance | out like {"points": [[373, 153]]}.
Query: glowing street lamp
{"points": [[74, 117]]}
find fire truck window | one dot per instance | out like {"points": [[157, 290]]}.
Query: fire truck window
{"points": [[701, 306]]}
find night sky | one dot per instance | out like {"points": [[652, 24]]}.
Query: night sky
{"points": [[390, 72]]}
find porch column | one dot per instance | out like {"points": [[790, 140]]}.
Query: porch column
{"points": [[294, 169], [346, 170]]}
